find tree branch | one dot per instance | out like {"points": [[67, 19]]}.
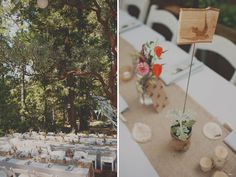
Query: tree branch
{"points": [[80, 73]]}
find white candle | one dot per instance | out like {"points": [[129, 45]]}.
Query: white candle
{"points": [[206, 164], [220, 157], [126, 75], [220, 174], [221, 153]]}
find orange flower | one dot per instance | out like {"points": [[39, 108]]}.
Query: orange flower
{"points": [[157, 69], [158, 51]]}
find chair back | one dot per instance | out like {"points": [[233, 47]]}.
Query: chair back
{"points": [[142, 5], [165, 18], [222, 46], [81, 154]]}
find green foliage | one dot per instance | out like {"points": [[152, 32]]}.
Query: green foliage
{"points": [[182, 129], [9, 109], [227, 10], [227, 14], [41, 51], [182, 125]]}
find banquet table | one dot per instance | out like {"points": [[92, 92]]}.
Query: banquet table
{"points": [[207, 88], [57, 170]]}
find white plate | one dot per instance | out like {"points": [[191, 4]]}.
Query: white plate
{"points": [[212, 130]]}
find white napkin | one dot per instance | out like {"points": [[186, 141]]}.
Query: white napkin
{"points": [[122, 104], [230, 140], [172, 73], [175, 60]]}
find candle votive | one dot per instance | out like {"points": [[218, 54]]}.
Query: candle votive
{"points": [[206, 164], [220, 174], [221, 153], [220, 157], [126, 73]]}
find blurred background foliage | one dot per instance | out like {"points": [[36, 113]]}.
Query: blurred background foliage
{"points": [[227, 8], [53, 61]]}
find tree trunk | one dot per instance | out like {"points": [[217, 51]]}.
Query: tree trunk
{"points": [[47, 120], [113, 85], [72, 116], [22, 89], [84, 114]]}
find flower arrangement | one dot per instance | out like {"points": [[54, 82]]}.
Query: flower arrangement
{"points": [[148, 68], [149, 57], [181, 128]]}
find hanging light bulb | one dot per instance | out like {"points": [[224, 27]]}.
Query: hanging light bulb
{"points": [[42, 3]]}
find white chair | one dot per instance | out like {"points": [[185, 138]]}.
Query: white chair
{"points": [[57, 155], [108, 158], [165, 18], [80, 155], [142, 5], [223, 47], [93, 158]]}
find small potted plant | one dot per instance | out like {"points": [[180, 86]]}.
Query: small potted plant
{"points": [[181, 129]]}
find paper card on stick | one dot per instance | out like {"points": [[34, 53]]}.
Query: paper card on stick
{"points": [[197, 25]]}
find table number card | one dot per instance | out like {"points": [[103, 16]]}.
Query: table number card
{"points": [[158, 95], [197, 25]]}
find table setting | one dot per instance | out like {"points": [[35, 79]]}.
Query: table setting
{"points": [[170, 141], [71, 155]]}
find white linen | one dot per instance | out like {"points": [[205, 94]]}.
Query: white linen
{"points": [[230, 140], [122, 104], [213, 93], [57, 170], [174, 59], [138, 36], [132, 160]]}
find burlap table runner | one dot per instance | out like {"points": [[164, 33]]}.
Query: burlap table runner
{"points": [[166, 161]]}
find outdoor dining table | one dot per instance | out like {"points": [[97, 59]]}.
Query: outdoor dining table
{"points": [[57, 170], [211, 91]]}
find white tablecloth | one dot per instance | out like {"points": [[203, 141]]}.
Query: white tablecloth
{"points": [[57, 170], [138, 36]]}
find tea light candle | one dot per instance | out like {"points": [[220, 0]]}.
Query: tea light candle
{"points": [[220, 157], [126, 75], [206, 164], [221, 153], [220, 174]]}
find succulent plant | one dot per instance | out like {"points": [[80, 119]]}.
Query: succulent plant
{"points": [[182, 125]]}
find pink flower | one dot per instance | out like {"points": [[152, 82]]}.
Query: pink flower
{"points": [[142, 68]]}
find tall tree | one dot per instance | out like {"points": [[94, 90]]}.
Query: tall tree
{"points": [[59, 46]]}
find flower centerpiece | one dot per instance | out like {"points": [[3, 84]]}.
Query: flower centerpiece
{"points": [[148, 69], [181, 129]]}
